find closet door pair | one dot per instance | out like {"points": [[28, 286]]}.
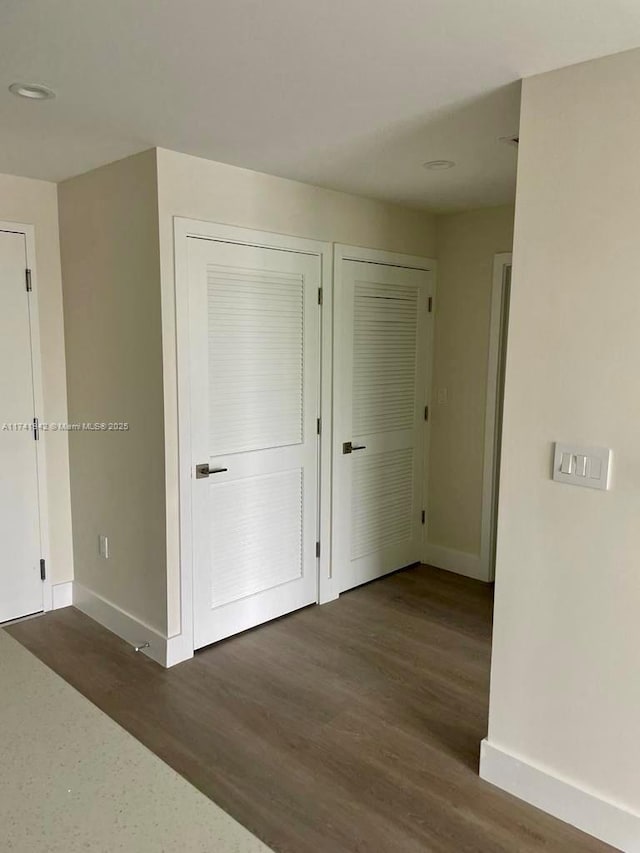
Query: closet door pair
{"points": [[254, 366]]}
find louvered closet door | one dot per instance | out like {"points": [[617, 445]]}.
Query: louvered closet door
{"points": [[254, 323], [382, 323]]}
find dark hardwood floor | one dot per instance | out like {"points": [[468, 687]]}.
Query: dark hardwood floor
{"points": [[353, 727]]}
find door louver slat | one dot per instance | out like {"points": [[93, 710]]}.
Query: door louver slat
{"points": [[384, 357], [255, 359]]}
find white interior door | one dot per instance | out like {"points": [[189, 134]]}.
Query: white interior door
{"points": [[382, 322], [21, 587], [255, 376]]}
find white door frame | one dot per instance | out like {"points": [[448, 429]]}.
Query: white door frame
{"points": [[491, 450], [36, 366], [394, 259], [183, 229]]}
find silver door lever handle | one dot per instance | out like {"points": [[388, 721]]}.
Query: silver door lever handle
{"points": [[204, 470]]}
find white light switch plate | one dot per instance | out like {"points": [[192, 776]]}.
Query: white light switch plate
{"points": [[582, 466]]}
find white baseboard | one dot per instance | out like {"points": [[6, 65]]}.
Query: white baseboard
{"points": [[166, 652], [605, 820], [61, 595], [122, 624], [460, 562]]}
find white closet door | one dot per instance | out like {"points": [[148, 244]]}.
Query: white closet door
{"points": [[20, 582], [381, 333], [255, 369]]}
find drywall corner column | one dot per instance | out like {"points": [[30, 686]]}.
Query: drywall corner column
{"points": [[112, 314], [565, 692], [31, 202]]}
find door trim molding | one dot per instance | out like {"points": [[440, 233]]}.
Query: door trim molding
{"points": [[490, 465], [379, 256], [29, 233], [182, 644], [62, 594], [342, 252]]}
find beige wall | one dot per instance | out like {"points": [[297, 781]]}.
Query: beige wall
{"points": [[201, 189], [110, 266], [565, 691], [35, 203], [109, 221], [467, 243]]}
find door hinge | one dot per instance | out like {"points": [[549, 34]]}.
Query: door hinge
{"points": [[318, 426], [319, 296], [43, 570], [27, 278], [423, 517], [318, 550], [430, 304], [426, 413], [36, 429]]}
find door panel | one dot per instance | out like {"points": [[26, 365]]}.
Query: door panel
{"points": [[20, 583], [256, 531], [382, 503], [381, 334], [384, 357], [256, 332], [255, 369]]}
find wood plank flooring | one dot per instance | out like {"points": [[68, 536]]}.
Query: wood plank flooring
{"points": [[349, 728]]}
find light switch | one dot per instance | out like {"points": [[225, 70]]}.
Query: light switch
{"points": [[582, 466], [566, 464], [595, 468]]}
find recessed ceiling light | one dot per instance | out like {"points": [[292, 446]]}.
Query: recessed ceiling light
{"points": [[438, 165], [33, 91]]}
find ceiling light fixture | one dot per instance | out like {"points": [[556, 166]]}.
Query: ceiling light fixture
{"points": [[438, 165], [33, 91]]}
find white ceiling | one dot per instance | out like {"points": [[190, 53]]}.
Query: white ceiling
{"points": [[349, 94]]}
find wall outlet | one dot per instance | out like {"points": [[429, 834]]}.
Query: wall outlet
{"points": [[443, 396], [103, 546]]}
